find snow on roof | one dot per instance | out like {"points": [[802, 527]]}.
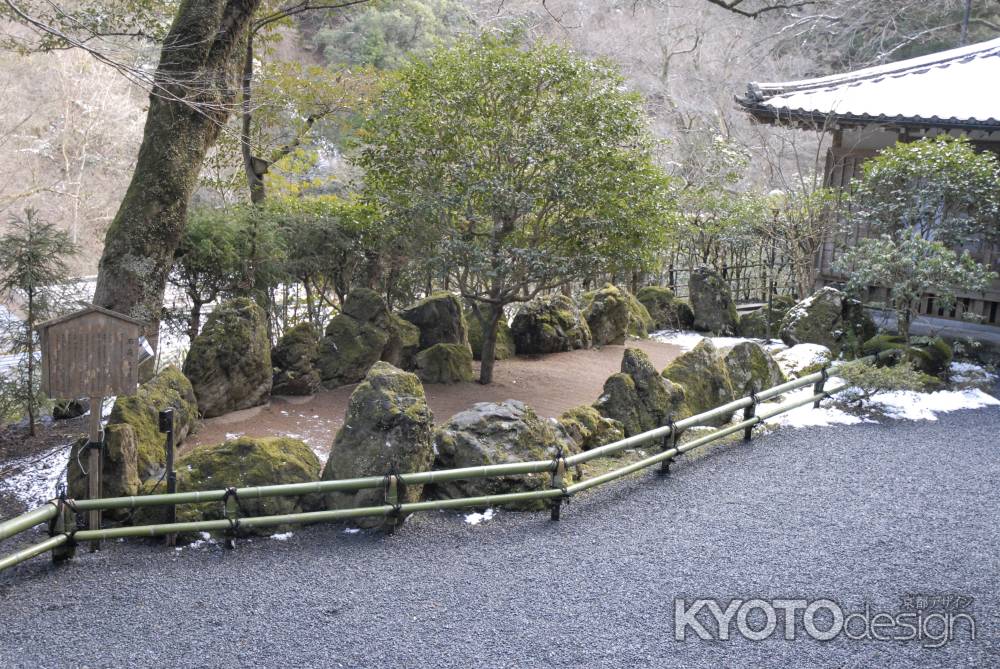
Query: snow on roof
{"points": [[952, 89]]}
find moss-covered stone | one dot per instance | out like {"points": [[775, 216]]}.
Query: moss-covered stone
{"points": [[505, 340], [930, 355], [829, 318], [119, 467], [361, 335], [489, 434], [169, 389], [550, 324], [712, 302], [229, 363], [294, 360], [440, 318], [703, 374], [589, 429], [611, 315], [751, 368], [239, 463], [638, 397], [445, 363], [388, 427], [665, 310], [754, 324]]}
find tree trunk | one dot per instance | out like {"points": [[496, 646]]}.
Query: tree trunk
{"points": [[903, 323], [193, 97], [194, 322], [488, 356], [29, 341]]}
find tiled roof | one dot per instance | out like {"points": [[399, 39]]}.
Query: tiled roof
{"points": [[950, 89]]}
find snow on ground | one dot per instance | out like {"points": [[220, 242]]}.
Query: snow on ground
{"points": [[352, 530], [282, 536], [34, 479], [475, 518], [687, 340], [968, 372], [806, 416]]}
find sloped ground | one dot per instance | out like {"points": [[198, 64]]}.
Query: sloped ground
{"points": [[859, 513]]}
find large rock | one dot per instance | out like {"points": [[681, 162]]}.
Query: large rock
{"points": [[611, 315], [665, 310], [589, 429], [239, 463], [490, 434], [361, 335], [387, 428], [703, 374], [755, 323], [751, 368], [119, 467], [169, 389], [712, 302], [505, 340], [829, 318], [639, 397], [294, 360], [803, 359], [440, 319], [550, 324], [229, 363], [930, 355], [445, 363]]}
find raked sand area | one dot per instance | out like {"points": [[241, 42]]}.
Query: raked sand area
{"points": [[550, 384]]}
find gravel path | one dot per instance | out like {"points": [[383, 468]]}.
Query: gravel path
{"points": [[855, 514]]}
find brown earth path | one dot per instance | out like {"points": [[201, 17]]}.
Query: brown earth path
{"points": [[550, 384]]}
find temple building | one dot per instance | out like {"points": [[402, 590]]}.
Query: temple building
{"points": [[953, 92]]}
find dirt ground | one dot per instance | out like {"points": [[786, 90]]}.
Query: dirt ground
{"points": [[550, 384]]}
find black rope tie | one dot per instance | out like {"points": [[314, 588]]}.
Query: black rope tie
{"points": [[397, 506], [234, 518]]}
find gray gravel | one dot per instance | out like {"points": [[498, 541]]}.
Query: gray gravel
{"points": [[863, 513]]}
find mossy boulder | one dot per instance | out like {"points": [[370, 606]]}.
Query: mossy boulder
{"points": [[119, 467], [803, 359], [930, 355], [665, 310], [294, 360], [550, 324], [505, 347], [388, 427], [445, 363], [440, 319], [703, 374], [229, 363], [639, 397], [239, 463], [361, 335], [589, 429], [829, 318], [169, 389], [755, 323], [498, 433], [751, 368], [610, 315], [712, 302]]}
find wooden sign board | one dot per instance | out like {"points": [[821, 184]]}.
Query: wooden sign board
{"points": [[93, 352]]}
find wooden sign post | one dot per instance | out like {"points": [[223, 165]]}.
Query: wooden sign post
{"points": [[91, 353]]}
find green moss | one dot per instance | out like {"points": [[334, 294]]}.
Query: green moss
{"points": [[589, 429], [243, 462], [930, 355], [169, 389], [445, 363], [294, 360], [349, 349], [609, 315], [712, 302], [703, 375], [440, 318], [505, 340], [751, 368], [550, 324], [666, 311]]}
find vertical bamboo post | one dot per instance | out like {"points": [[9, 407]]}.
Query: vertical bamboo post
{"points": [[818, 388], [94, 467], [749, 412], [669, 441], [558, 481], [167, 427]]}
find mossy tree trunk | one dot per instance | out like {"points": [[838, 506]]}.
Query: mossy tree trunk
{"points": [[490, 325], [193, 96]]}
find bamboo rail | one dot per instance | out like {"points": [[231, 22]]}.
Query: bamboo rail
{"points": [[59, 535]]}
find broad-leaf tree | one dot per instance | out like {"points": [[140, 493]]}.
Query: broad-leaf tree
{"points": [[515, 171]]}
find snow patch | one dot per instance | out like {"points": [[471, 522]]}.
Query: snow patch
{"points": [[687, 340], [34, 479], [351, 530], [476, 518], [282, 536], [968, 372], [797, 358], [909, 405]]}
